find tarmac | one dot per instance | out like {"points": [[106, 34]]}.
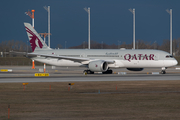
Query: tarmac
{"points": [[75, 74]]}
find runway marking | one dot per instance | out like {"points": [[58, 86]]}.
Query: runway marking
{"points": [[41, 74], [6, 70], [72, 79]]}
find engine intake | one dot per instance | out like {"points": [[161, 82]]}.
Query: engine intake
{"points": [[98, 66]]}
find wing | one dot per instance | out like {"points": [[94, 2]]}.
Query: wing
{"points": [[75, 59]]}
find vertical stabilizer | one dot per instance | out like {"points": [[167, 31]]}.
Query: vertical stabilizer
{"points": [[34, 38]]}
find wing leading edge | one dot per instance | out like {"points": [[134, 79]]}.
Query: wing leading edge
{"points": [[75, 59]]}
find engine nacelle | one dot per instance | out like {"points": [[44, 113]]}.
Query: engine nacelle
{"points": [[98, 66], [135, 69]]}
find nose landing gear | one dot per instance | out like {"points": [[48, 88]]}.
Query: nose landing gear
{"points": [[163, 70]]}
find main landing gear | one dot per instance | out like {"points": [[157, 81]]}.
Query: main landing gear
{"points": [[87, 72], [163, 70], [91, 72], [108, 72]]}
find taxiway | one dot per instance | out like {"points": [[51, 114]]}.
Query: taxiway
{"points": [[26, 74]]}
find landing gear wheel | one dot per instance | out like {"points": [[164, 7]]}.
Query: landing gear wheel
{"points": [[163, 72], [87, 72], [108, 72]]}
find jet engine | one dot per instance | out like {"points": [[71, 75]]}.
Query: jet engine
{"points": [[98, 66], [135, 69]]}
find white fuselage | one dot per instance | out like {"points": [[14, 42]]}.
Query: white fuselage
{"points": [[122, 58]]}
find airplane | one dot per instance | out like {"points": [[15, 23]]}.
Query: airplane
{"points": [[97, 60]]}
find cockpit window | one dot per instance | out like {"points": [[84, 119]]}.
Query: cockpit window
{"points": [[169, 56]]}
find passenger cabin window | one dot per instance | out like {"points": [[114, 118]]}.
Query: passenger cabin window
{"points": [[169, 56]]}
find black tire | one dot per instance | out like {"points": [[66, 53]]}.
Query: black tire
{"points": [[85, 72], [163, 72], [108, 72], [88, 72]]}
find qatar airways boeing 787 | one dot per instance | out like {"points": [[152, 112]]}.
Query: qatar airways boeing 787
{"points": [[97, 60]]}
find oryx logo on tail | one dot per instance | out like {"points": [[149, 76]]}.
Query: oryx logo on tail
{"points": [[34, 40]]}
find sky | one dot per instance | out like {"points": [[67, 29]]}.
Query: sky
{"points": [[111, 20]]}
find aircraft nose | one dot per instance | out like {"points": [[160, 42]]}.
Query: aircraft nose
{"points": [[174, 62]]}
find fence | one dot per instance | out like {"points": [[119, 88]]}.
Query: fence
{"points": [[17, 61]]}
